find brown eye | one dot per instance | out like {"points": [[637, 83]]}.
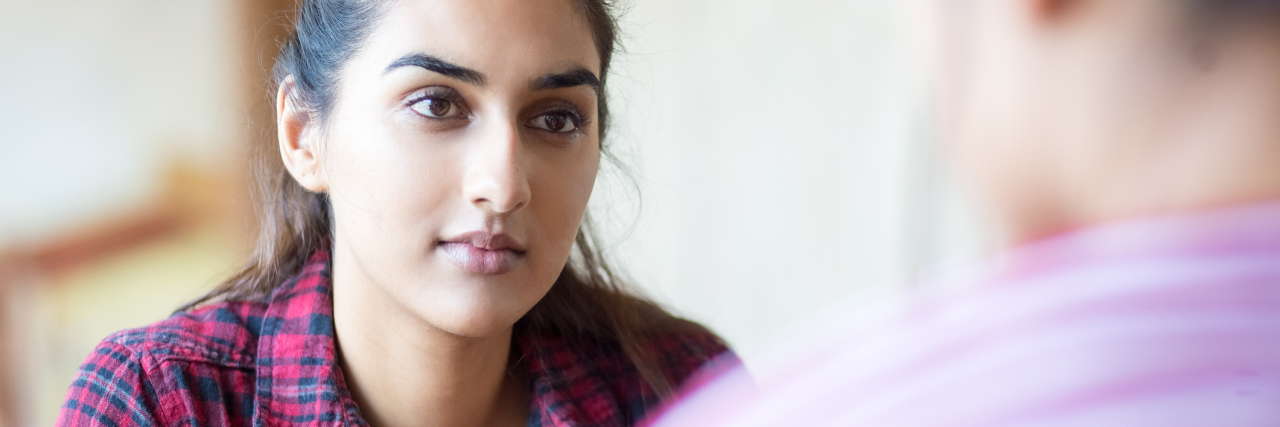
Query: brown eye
{"points": [[438, 108], [555, 122]]}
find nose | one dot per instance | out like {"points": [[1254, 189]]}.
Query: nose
{"points": [[495, 180]]}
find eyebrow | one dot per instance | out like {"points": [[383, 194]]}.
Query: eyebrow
{"points": [[439, 66], [576, 77]]}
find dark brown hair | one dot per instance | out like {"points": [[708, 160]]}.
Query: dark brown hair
{"points": [[1216, 14], [587, 304]]}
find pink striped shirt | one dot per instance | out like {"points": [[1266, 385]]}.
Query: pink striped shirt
{"points": [[1171, 321]]}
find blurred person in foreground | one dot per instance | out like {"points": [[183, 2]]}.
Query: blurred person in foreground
{"points": [[423, 258], [1130, 150]]}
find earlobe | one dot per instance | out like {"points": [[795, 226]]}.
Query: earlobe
{"points": [[297, 139]]}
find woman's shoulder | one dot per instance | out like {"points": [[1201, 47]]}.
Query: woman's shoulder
{"points": [[125, 379], [603, 379], [220, 332], [688, 349], [681, 347], [681, 351], [690, 356]]}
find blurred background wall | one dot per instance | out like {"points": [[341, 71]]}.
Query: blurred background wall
{"points": [[785, 157], [779, 155]]}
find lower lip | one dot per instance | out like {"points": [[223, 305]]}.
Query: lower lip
{"points": [[475, 260]]}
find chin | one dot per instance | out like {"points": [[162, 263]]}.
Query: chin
{"points": [[478, 326], [475, 314]]}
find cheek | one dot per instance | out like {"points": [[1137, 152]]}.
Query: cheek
{"points": [[386, 189], [984, 99], [561, 190], [950, 62]]}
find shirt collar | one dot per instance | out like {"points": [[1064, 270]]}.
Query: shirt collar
{"points": [[1232, 231], [299, 380]]}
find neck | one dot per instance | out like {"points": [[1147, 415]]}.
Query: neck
{"points": [[405, 372], [1187, 178]]}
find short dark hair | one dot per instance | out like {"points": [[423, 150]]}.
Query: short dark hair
{"points": [[1219, 13]]}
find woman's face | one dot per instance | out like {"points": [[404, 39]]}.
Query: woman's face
{"points": [[459, 157]]}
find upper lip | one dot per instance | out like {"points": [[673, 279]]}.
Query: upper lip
{"points": [[488, 241]]}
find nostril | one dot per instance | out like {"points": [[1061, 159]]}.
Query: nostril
{"points": [[496, 190], [499, 205]]}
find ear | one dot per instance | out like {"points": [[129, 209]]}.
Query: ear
{"points": [[297, 132], [1048, 11]]}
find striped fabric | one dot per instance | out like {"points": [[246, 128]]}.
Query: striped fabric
{"points": [[1171, 321], [273, 363]]}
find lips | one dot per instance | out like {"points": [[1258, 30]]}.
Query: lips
{"points": [[483, 253]]}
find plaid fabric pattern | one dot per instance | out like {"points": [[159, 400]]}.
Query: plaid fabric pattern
{"points": [[273, 363]]}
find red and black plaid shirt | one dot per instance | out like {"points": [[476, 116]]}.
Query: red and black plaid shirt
{"points": [[273, 363]]}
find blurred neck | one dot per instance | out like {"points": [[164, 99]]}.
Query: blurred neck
{"points": [[1223, 151]]}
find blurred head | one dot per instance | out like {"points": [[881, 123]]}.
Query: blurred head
{"points": [[1066, 113]]}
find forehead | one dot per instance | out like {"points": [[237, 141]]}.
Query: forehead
{"points": [[504, 39]]}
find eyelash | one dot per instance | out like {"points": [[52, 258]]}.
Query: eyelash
{"points": [[445, 94], [574, 116]]}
